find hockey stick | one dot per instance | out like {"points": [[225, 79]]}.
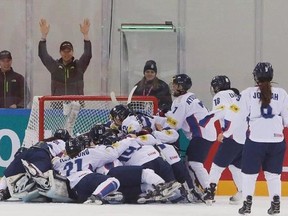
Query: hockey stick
{"points": [[113, 98], [131, 94]]}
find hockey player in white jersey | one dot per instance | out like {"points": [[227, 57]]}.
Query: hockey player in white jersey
{"points": [[131, 178], [229, 153], [267, 109], [166, 138], [77, 167], [186, 112]]}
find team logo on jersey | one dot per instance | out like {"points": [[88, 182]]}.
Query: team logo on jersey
{"points": [[115, 145], [220, 107], [171, 121], [168, 132], [143, 138], [234, 108], [278, 135]]}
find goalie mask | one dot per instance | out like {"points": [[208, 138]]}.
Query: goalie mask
{"points": [[74, 146], [220, 83], [96, 132], [119, 113], [263, 71], [181, 83], [62, 134]]}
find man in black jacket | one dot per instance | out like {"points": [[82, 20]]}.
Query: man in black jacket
{"points": [[67, 73], [12, 84]]}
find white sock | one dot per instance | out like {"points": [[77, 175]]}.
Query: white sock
{"points": [[107, 187], [146, 187], [215, 173], [274, 184], [237, 176], [3, 183], [150, 177], [201, 173], [248, 181]]}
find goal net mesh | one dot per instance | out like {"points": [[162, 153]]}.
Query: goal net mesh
{"points": [[76, 113]]}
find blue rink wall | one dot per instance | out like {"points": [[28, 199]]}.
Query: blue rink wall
{"points": [[13, 123]]}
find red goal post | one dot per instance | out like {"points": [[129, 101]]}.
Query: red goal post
{"points": [[50, 113]]}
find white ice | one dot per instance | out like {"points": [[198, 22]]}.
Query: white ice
{"points": [[220, 208]]}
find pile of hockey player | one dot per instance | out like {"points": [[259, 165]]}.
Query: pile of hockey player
{"points": [[131, 159]]}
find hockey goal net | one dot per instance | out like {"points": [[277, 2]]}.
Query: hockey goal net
{"points": [[76, 113]]}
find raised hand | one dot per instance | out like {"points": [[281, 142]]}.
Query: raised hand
{"points": [[84, 28], [44, 28]]}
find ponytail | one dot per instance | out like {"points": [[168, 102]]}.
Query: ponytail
{"points": [[265, 93]]}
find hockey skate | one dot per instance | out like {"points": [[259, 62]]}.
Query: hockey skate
{"points": [[114, 198], [236, 198], [246, 208], [41, 180], [149, 197], [162, 193], [4, 194], [167, 189], [275, 206], [209, 194], [94, 199], [191, 195]]}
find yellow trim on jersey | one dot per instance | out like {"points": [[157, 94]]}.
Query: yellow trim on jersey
{"points": [[143, 138], [168, 132], [171, 121], [115, 145], [220, 107], [130, 129], [234, 108]]}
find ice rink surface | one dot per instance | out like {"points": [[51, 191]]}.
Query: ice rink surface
{"points": [[220, 208]]}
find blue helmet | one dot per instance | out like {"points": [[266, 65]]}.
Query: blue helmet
{"points": [[120, 112], [96, 132], [62, 134], [220, 83], [74, 146], [182, 80], [263, 71], [109, 138]]}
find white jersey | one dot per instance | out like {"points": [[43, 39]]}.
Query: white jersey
{"points": [[166, 136], [89, 160], [186, 112], [135, 123], [141, 151], [265, 124], [56, 147], [225, 102]]}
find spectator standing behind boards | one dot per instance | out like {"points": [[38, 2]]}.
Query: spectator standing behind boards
{"points": [[12, 84], [151, 85], [67, 73]]}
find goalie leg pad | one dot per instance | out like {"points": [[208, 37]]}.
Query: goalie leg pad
{"points": [[19, 185], [58, 190]]}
